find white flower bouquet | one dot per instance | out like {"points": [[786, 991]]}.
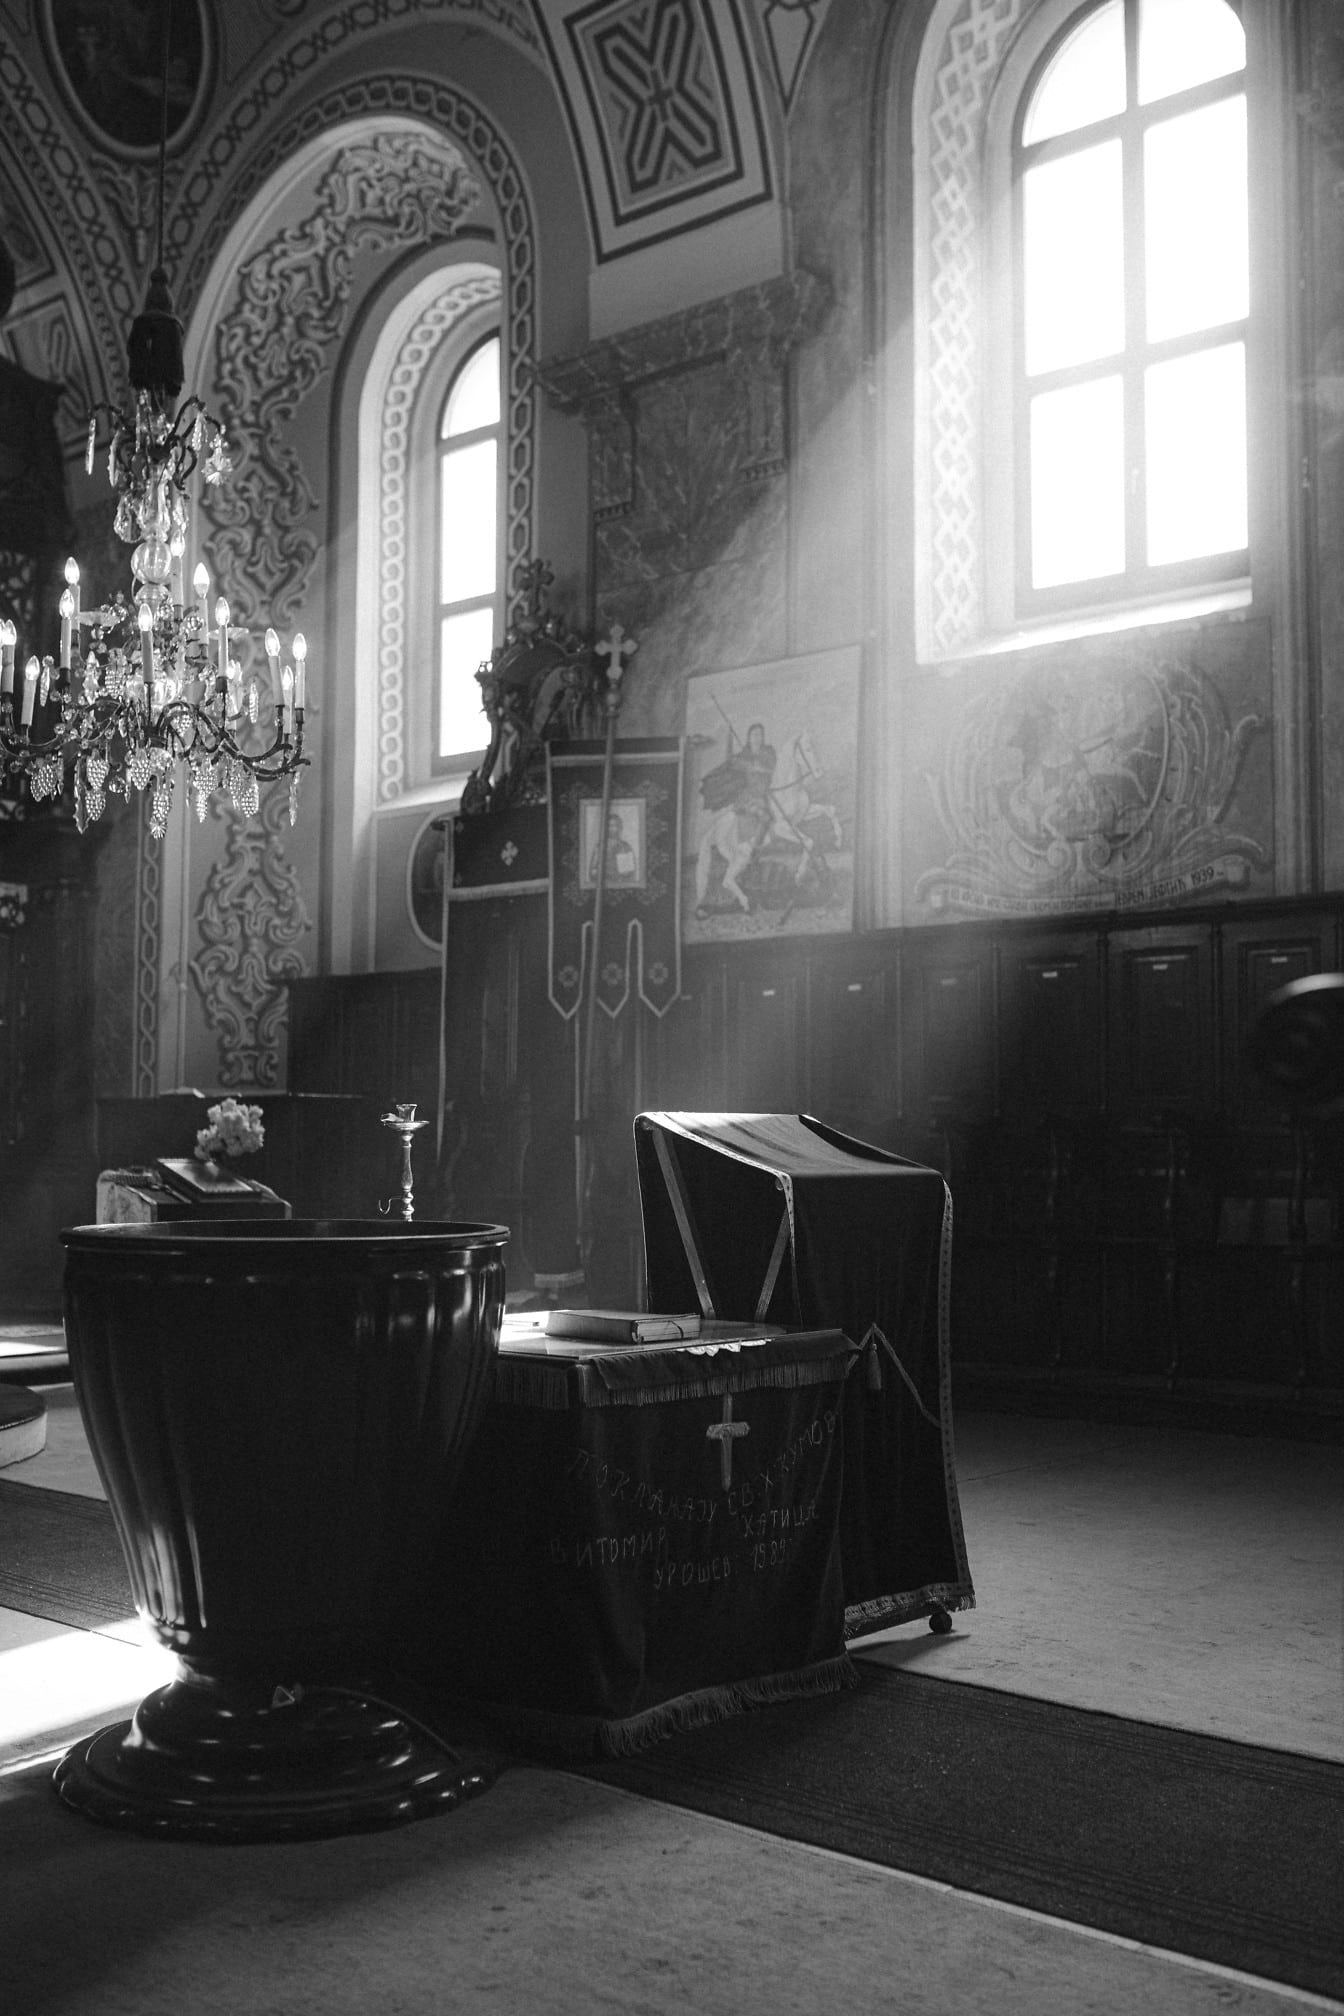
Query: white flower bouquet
{"points": [[234, 1130]]}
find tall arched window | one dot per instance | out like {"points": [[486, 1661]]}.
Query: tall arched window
{"points": [[1132, 296], [468, 552]]}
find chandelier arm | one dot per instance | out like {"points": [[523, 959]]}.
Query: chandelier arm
{"points": [[215, 739], [163, 122]]}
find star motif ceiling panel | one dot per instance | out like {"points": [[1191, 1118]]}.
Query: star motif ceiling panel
{"points": [[664, 106]]}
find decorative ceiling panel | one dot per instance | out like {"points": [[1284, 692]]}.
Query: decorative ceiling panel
{"points": [[791, 27], [664, 108], [32, 261]]}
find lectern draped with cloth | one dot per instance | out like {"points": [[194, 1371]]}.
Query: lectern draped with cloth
{"points": [[776, 1218]]}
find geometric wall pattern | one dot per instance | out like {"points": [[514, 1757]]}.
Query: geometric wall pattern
{"points": [[662, 103], [964, 45], [412, 360]]}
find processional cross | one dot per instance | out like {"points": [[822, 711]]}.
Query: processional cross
{"points": [[725, 1433], [616, 647]]}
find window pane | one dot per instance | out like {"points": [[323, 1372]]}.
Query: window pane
{"points": [[474, 398], [1084, 79], [1195, 424], [1194, 173], [468, 521], [465, 641], [1077, 483], [1186, 42], [1073, 258]]}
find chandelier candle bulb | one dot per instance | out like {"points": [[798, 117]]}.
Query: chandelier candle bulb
{"points": [[146, 622], [287, 699], [66, 605], [177, 547], [200, 582], [9, 637], [300, 671], [32, 671], [222, 619], [273, 664], [72, 583]]}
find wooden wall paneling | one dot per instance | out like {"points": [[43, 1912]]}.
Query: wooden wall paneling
{"points": [[613, 1259], [1051, 1027], [1051, 1036], [1161, 1187], [947, 994], [1163, 1057], [1257, 958], [854, 1038], [49, 1173], [1277, 1207], [316, 1042], [414, 1062], [767, 1033], [1129, 1215], [496, 956], [685, 1065], [368, 1034], [13, 1034], [546, 1239]]}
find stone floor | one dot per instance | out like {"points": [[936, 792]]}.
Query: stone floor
{"points": [[1189, 1579]]}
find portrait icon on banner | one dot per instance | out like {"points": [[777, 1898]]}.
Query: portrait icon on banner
{"points": [[626, 843]]}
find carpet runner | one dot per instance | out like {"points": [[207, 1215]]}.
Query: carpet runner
{"points": [[1219, 1850], [1223, 1851], [60, 1558]]}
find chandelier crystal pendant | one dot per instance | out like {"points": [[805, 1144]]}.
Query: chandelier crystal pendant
{"points": [[144, 686]]}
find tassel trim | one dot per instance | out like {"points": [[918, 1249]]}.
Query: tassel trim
{"points": [[715, 1704], [585, 1737], [526, 1382], [878, 1612]]}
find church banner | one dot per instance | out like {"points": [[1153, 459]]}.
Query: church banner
{"points": [[634, 861]]}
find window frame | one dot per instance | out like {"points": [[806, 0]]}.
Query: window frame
{"points": [[477, 330], [1140, 578]]}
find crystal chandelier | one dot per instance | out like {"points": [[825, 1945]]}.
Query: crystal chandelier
{"points": [[145, 685]]}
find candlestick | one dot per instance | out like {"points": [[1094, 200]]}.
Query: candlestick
{"points": [[200, 582], [66, 605], [32, 672], [287, 698], [9, 637], [403, 1121], [72, 583], [177, 547]]}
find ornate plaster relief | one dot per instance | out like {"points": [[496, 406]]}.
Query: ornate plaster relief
{"points": [[251, 922]]}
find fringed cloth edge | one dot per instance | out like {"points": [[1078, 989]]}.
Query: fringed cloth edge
{"points": [[876, 1613], [539, 1731], [651, 1378]]}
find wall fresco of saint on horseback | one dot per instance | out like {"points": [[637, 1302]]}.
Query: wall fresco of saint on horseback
{"points": [[771, 756]]}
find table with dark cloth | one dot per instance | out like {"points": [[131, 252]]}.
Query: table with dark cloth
{"points": [[778, 1218], [644, 1538]]}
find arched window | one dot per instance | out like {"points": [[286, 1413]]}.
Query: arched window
{"points": [[467, 552], [1132, 295], [1096, 314]]}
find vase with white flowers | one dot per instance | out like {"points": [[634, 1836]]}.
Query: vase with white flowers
{"points": [[234, 1130]]}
